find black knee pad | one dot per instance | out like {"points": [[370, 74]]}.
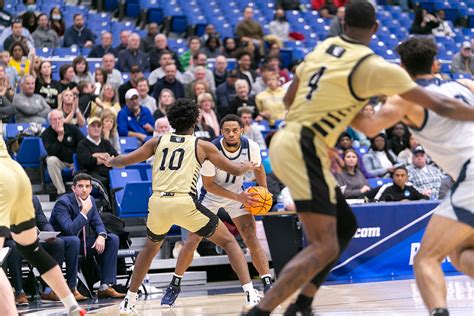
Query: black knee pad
{"points": [[37, 257]]}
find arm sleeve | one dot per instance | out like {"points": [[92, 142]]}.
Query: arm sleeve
{"points": [[122, 124], [208, 169], [41, 220], [84, 155], [22, 105], [255, 156], [51, 143], [375, 76]]}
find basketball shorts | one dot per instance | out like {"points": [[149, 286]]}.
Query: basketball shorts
{"points": [[178, 209], [458, 204], [16, 206], [234, 209], [300, 160]]}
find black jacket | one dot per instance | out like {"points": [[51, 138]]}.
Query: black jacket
{"points": [[65, 149], [86, 148], [392, 192]]}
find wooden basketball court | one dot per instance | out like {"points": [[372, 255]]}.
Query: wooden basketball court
{"points": [[376, 298]]}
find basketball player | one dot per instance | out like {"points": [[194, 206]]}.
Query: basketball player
{"points": [[331, 86], [222, 190], [178, 159], [450, 144], [18, 216]]}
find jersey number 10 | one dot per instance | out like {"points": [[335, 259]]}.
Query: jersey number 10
{"points": [[177, 154]]}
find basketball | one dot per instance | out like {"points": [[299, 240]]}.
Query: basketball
{"points": [[264, 205]]}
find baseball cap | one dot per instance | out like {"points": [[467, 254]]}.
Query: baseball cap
{"points": [[93, 120], [131, 93], [418, 149], [466, 45]]}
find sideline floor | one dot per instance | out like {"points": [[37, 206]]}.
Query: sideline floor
{"points": [[375, 298]]}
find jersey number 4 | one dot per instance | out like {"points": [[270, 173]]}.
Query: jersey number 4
{"points": [[313, 82], [175, 161]]}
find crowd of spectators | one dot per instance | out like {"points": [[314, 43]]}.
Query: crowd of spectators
{"points": [[106, 108]]}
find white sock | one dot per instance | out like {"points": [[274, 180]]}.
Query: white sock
{"points": [[69, 302], [266, 275], [247, 287], [132, 297]]}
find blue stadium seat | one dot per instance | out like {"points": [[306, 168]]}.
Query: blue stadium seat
{"points": [[12, 130], [462, 76], [31, 152], [132, 8], [44, 52], [132, 199], [111, 5], [72, 51], [155, 15], [77, 165], [362, 150], [376, 182], [128, 144], [179, 24], [142, 168]]}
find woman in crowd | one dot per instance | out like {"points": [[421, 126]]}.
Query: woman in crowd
{"points": [[212, 47], [81, 70], [56, 21], [109, 128], [7, 110], [250, 47], [17, 52], [280, 27], [45, 86], [100, 78], [351, 180], [197, 88], [109, 98], [209, 116], [229, 48], [69, 105], [66, 76], [34, 70], [379, 161], [406, 155], [202, 130], [165, 101]]}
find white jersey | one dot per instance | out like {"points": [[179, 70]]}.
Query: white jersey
{"points": [[249, 151], [448, 142]]}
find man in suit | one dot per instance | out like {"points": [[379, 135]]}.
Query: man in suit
{"points": [[75, 214], [62, 249]]}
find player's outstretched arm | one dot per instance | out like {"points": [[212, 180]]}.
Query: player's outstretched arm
{"points": [[440, 104], [138, 155], [209, 151], [392, 112]]}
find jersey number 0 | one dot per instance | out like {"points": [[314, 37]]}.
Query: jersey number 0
{"points": [[175, 161]]}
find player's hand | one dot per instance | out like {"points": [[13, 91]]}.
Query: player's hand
{"points": [[248, 166], [108, 162], [248, 198], [86, 205], [99, 244]]}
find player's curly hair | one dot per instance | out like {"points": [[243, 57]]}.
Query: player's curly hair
{"points": [[417, 55], [183, 114]]}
